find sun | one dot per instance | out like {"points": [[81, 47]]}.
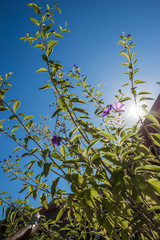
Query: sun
{"points": [[136, 111]]}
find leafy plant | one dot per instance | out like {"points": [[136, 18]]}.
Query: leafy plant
{"points": [[113, 176]]}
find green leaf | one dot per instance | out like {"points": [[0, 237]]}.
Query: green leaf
{"points": [[117, 180], [65, 30], [4, 193], [135, 71], [108, 135], [36, 137], [134, 62], [126, 99], [3, 108], [31, 164], [20, 201], [54, 185], [148, 168], [125, 63], [43, 200], [155, 184], [56, 112], [31, 38], [49, 51], [142, 148], [58, 35], [35, 7], [8, 75], [44, 57], [57, 156], [134, 54], [8, 83], [29, 124], [80, 110], [52, 43], [143, 92], [46, 86], [92, 143], [47, 168], [75, 99], [145, 98], [16, 105], [75, 137], [13, 130], [27, 118], [34, 193], [123, 43], [12, 217], [156, 138], [12, 117], [155, 208], [126, 136], [59, 215], [122, 53], [96, 159], [16, 149], [40, 45], [34, 21], [62, 149], [23, 189], [21, 114], [61, 103], [153, 119], [57, 7], [41, 70], [138, 82]]}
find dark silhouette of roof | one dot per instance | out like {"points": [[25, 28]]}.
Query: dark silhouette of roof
{"points": [[155, 111]]}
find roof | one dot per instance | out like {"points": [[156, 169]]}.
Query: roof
{"points": [[155, 111]]}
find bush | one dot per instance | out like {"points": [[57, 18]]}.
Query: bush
{"points": [[113, 177]]}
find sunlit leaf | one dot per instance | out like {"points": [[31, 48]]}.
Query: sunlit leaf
{"points": [[54, 185], [41, 70], [46, 86], [56, 112], [3, 108], [108, 135], [35, 7], [16, 105], [58, 35], [148, 168], [59, 215], [153, 119], [143, 92], [145, 98], [156, 138], [43, 200], [57, 7], [34, 21], [27, 118], [47, 168]]}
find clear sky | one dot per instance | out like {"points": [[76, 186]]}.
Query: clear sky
{"points": [[92, 45]]}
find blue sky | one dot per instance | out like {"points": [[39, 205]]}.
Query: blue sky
{"points": [[92, 45]]}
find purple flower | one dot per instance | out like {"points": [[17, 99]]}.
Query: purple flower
{"points": [[118, 107], [56, 140], [17, 156], [10, 156], [107, 110]]}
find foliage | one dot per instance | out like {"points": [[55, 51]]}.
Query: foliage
{"points": [[113, 176]]}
